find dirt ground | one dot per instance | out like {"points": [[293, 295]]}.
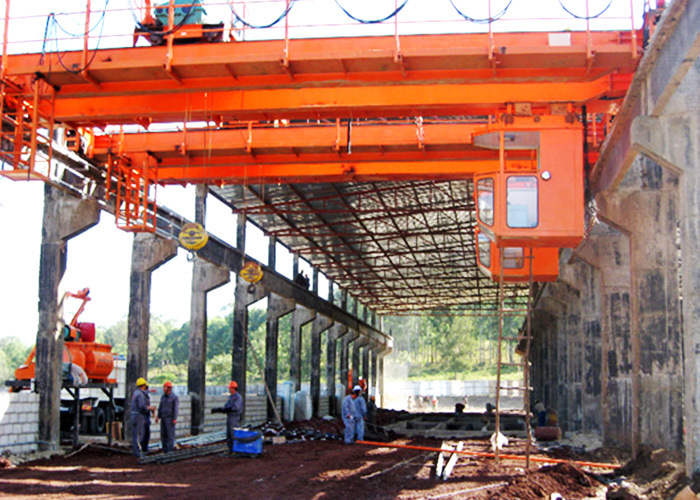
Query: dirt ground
{"points": [[328, 469]]}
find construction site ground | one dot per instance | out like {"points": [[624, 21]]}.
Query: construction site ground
{"points": [[329, 469]]}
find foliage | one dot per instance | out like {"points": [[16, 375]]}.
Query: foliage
{"points": [[431, 347], [12, 354]]}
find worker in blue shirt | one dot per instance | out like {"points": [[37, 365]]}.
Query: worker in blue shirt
{"points": [[140, 418], [352, 415], [167, 414], [233, 410], [361, 404]]}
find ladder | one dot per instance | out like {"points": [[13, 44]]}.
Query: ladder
{"points": [[135, 207], [26, 131], [522, 348]]}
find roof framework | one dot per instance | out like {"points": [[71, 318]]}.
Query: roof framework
{"points": [[399, 247]]}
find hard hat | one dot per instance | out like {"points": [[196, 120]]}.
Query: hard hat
{"points": [[168, 384], [357, 388], [233, 384], [141, 381]]}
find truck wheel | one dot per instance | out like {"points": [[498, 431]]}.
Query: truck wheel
{"points": [[98, 421]]}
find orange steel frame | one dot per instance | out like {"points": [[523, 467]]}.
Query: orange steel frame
{"points": [[250, 85]]}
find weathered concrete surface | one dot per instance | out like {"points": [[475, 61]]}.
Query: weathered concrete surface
{"points": [[320, 325], [205, 278], [336, 332], [64, 218], [276, 308], [148, 253], [300, 317], [646, 207]]}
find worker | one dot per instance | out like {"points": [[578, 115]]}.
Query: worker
{"points": [[351, 414], [372, 410], [541, 413], [167, 414], [459, 409], [363, 385], [233, 410], [140, 418], [361, 405]]}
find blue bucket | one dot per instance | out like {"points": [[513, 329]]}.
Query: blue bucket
{"points": [[248, 442]]}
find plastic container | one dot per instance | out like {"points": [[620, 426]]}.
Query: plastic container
{"points": [[247, 442]]}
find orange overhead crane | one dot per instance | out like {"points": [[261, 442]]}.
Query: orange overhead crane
{"points": [[344, 108]]}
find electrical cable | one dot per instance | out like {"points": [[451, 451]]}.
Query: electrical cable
{"points": [[373, 21], [262, 26], [102, 16], [485, 20], [585, 17]]}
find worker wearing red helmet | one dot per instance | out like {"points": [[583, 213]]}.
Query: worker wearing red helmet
{"points": [[233, 410], [167, 413]]}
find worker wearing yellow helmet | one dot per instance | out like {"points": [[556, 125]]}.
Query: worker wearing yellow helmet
{"points": [[140, 418]]}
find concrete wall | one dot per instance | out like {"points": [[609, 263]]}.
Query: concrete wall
{"points": [[19, 421]]}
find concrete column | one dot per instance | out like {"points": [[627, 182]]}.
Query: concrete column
{"points": [[320, 325], [64, 218], [300, 317], [245, 296], [276, 308], [314, 285], [345, 357], [148, 253], [272, 253], [356, 358], [336, 333], [295, 265], [365, 363], [380, 374], [205, 277], [330, 291], [344, 300], [372, 383]]}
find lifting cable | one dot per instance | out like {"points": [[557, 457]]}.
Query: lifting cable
{"points": [[485, 20], [372, 21], [585, 17], [261, 26]]}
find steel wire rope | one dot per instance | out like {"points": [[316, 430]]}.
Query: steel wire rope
{"points": [[254, 26], [485, 20], [585, 17], [372, 21], [100, 23]]}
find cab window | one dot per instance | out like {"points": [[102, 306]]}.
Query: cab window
{"points": [[484, 189], [484, 250], [513, 258], [521, 197]]}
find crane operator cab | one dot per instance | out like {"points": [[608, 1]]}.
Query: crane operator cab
{"points": [[515, 266], [535, 199]]}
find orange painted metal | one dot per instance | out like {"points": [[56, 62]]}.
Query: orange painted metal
{"points": [[545, 261], [318, 103], [556, 216]]}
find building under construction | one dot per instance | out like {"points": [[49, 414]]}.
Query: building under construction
{"points": [[483, 158]]}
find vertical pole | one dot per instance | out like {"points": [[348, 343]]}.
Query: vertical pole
{"points": [[87, 36], [240, 315], [635, 52], [4, 40]]}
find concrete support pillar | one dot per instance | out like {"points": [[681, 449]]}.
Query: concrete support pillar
{"points": [[645, 206], [205, 277], [320, 325], [272, 253], [148, 253], [300, 317], [336, 333], [372, 383], [344, 300], [245, 296], [357, 345], [330, 291], [64, 218], [345, 357], [276, 308], [365, 363], [380, 375], [314, 285]]}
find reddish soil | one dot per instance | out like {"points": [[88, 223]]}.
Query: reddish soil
{"points": [[302, 470]]}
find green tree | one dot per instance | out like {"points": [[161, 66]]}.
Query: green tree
{"points": [[13, 353]]}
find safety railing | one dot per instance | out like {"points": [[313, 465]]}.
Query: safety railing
{"points": [[54, 27]]}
